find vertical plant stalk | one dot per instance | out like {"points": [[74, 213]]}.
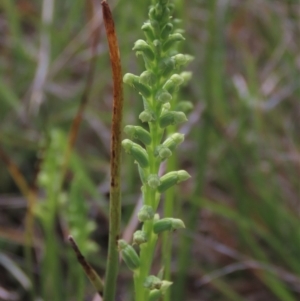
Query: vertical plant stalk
{"points": [[115, 197], [89, 271]]}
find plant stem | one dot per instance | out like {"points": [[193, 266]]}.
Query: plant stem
{"points": [[115, 197]]}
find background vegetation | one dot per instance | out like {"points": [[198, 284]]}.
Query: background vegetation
{"points": [[241, 207]]}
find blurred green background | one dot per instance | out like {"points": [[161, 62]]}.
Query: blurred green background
{"points": [[242, 148]]}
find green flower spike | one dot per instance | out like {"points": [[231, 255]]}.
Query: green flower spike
{"points": [[158, 85]]}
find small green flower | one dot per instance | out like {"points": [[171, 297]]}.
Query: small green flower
{"points": [[171, 118], [146, 213], [139, 237], [129, 255], [137, 152], [173, 141], [137, 132], [172, 178], [167, 224]]}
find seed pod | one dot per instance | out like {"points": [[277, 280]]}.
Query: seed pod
{"points": [[134, 81], [163, 152], [143, 47], [146, 213], [182, 59], [148, 31], [137, 152], [154, 295], [173, 141], [139, 237], [173, 83], [171, 178], [153, 181], [171, 117], [137, 132], [184, 106], [129, 255], [172, 39], [167, 224], [152, 282], [166, 31]]}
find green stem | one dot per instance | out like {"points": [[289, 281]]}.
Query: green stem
{"points": [[115, 178]]}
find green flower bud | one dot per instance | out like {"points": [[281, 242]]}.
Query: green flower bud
{"points": [[182, 59], [173, 83], [166, 66], [137, 132], [173, 141], [148, 78], [172, 39], [129, 255], [163, 152], [158, 10], [139, 237], [167, 224], [171, 117], [143, 47], [137, 152], [152, 282], [134, 81], [153, 181], [165, 285], [154, 295], [146, 116], [171, 178], [186, 75], [166, 107], [148, 31], [166, 31], [157, 47], [184, 106], [146, 213], [163, 96]]}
